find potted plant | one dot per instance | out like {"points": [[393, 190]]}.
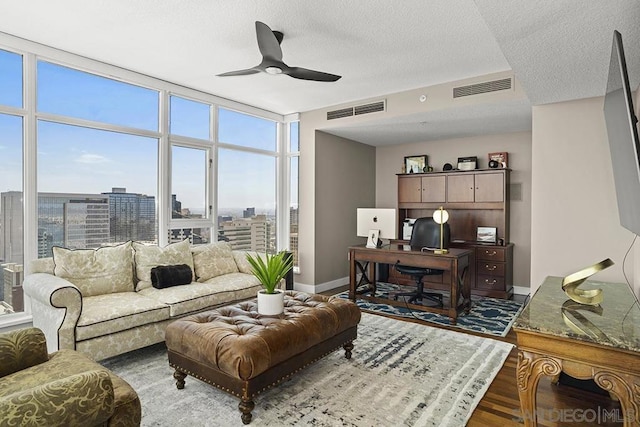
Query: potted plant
{"points": [[270, 270]]}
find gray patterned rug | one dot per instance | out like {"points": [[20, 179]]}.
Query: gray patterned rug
{"points": [[401, 373]]}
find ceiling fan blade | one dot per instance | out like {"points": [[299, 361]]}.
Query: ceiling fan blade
{"points": [[306, 74], [239, 73], [267, 42]]}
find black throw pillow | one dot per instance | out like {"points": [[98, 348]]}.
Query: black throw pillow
{"points": [[165, 276]]}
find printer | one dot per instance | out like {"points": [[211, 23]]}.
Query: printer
{"points": [[407, 228]]}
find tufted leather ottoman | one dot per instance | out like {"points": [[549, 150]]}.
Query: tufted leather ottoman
{"points": [[243, 353]]}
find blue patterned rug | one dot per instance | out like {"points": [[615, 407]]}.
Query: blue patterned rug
{"points": [[490, 316]]}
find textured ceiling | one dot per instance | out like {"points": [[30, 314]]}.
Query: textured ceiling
{"points": [[558, 49]]}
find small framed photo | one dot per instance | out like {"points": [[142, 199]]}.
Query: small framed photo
{"points": [[416, 164], [501, 158], [487, 234]]}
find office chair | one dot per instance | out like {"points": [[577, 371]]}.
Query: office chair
{"points": [[425, 233]]}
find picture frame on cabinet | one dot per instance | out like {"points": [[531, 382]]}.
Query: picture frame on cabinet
{"points": [[416, 164], [501, 158], [487, 235]]}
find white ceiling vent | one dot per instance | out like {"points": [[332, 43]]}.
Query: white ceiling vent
{"points": [[478, 88], [357, 110]]}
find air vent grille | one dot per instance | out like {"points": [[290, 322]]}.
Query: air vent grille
{"points": [[478, 88], [338, 114], [357, 110], [369, 108]]}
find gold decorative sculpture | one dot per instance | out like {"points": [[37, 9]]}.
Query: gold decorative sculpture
{"points": [[571, 282]]}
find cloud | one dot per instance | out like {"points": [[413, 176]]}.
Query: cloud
{"points": [[91, 158]]}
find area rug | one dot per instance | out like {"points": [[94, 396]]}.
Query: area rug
{"points": [[401, 373], [491, 316]]}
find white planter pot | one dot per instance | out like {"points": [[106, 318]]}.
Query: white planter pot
{"points": [[271, 304]]}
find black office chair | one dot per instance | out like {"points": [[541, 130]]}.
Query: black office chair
{"points": [[425, 234]]}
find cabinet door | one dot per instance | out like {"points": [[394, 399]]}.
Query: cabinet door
{"points": [[434, 189], [490, 187], [409, 189], [460, 188]]}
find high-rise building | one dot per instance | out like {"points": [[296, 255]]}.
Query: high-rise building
{"points": [[252, 234], [293, 234], [249, 213], [77, 221], [13, 274], [11, 232], [132, 216], [176, 207]]}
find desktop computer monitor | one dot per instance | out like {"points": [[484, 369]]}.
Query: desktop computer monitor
{"points": [[376, 224]]}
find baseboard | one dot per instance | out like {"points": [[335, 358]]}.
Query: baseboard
{"points": [[321, 287], [521, 290]]}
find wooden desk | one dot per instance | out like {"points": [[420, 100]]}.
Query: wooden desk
{"points": [[455, 263], [600, 343]]}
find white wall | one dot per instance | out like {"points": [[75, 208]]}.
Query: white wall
{"points": [[574, 218], [389, 161]]}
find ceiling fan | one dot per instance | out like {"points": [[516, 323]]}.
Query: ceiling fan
{"points": [[269, 45]]}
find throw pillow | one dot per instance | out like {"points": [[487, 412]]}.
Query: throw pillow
{"points": [[165, 276], [213, 260], [241, 260], [96, 271], [148, 256]]}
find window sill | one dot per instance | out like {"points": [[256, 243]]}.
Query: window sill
{"points": [[15, 321]]}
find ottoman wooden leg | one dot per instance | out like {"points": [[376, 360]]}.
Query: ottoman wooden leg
{"points": [[246, 406], [179, 376], [347, 349]]}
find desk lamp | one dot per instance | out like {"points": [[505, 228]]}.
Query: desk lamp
{"points": [[441, 216]]}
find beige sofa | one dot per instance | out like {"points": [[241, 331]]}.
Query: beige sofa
{"points": [[102, 302]]}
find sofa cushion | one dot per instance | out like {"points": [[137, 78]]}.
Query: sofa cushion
{"points": [[149, 256], [110, 313], [212, 260], [241, 260], [96, 271], [165, 276], [198, 296]]}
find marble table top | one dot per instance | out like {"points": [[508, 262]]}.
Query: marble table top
{"points": [[613, 323]]}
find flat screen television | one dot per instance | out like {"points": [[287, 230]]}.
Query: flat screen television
{"points": [[623, 138]]}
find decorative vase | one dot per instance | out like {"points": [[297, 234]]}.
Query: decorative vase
{"points": [[271, 304]]}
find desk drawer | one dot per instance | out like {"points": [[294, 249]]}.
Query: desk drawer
{"points": [[489, 268], [491, 254], [490, 282]]}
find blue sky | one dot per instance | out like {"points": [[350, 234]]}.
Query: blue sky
{"points": [[72, 159]]}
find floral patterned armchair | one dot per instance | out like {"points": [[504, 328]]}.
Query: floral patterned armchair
{"points": [[65, 388]]}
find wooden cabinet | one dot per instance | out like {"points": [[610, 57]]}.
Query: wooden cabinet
{"points": [[422, 189], [477, 198], [494, 271], [472, 187]]}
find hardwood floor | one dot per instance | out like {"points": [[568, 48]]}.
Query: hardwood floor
{"points": [[558, 404]]}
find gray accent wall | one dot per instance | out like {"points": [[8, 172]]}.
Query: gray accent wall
{"points": [[345, 177]]}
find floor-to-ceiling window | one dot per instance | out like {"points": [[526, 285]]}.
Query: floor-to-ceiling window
{"points": [[11, 157], [110, 155], [294, 164], [191, 138], [97, 145], [247, 163]]}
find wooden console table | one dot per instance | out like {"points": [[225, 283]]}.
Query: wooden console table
{"points": [[602, 343], [455, 264]]}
